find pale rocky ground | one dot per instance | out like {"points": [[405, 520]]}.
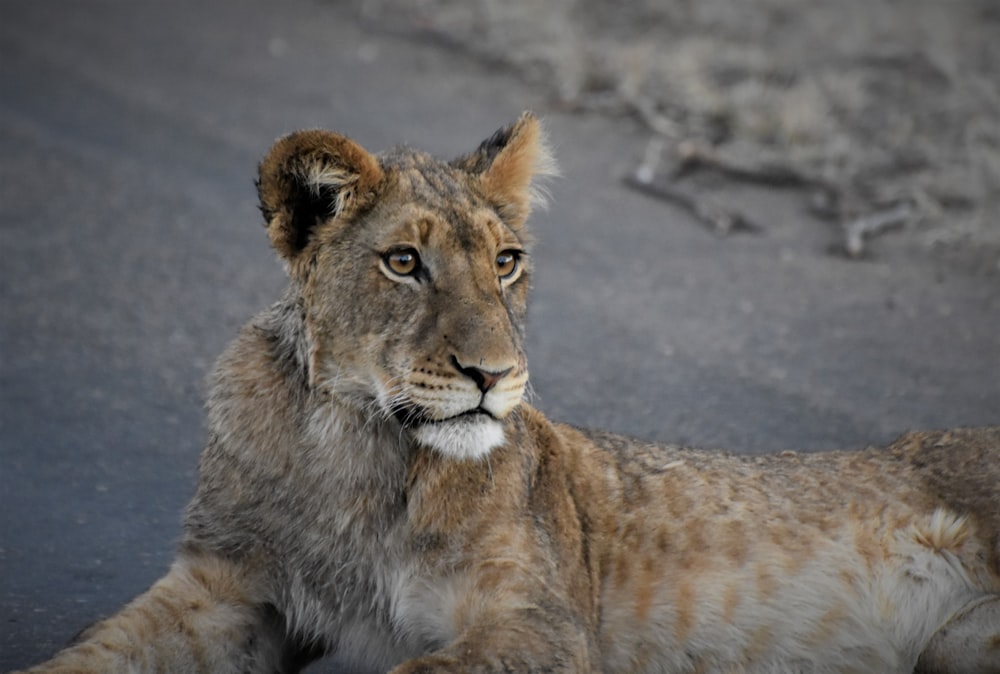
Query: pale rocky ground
{"points": [[886, 114]]}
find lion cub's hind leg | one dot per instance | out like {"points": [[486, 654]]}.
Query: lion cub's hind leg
{"points": [[969, 643]]}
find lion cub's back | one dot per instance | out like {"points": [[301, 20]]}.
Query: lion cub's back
{"points": [[760, 560], [957, 470]]}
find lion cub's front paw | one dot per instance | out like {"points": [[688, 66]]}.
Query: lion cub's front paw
{"points": [[431, 664]]}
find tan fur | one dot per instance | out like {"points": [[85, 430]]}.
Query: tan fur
{"points": [[373, 484]]}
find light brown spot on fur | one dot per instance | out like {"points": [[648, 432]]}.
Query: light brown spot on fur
{"points": [[663, 540], [796, 546], [827, 626], [760, 642], [493, 573], [867, 546], [168, 610], [693, 556], [631, 540], [679, 503], [993, 643], [779, 534], [820, 520], [686, 601], [734, 542], [646, 589], [850, 580], [794, 562], [767, 584], [643, 602], [730, 601], [424, 227]]}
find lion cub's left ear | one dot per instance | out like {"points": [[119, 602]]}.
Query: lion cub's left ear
{"points": [[509, 168], [309, 178]]}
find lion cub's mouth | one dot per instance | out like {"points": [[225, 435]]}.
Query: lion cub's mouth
{"points": [[477, 412], [471, 434], [415, 417]]}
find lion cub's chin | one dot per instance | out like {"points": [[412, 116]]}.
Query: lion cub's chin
{"points": [[462, 438]]}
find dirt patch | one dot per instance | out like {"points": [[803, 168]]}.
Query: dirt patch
{"points": [[885, 113]]}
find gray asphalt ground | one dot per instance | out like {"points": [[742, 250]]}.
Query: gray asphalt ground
{"points": [[132, 251]]}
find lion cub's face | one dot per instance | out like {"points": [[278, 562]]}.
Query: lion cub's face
{"points": [[413, 276]]}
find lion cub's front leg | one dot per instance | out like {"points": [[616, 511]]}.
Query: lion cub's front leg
{"points": [[527, 640], [506, 585], [200, 617]]}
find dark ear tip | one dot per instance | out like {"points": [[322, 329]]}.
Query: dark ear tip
{"points": [[482, 157]]}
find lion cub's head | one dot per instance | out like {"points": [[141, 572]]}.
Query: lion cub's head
{"points": [[412, 275]]}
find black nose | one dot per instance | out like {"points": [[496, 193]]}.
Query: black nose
{"points": [[484, 379]]}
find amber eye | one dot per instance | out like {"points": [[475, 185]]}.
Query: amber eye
{"points": [[507, 263], [402, 261]]}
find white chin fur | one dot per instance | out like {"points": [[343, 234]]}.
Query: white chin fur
{"points": [[462, 438]]}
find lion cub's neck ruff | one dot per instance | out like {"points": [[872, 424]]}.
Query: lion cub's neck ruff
{"points": [[443, 249]]}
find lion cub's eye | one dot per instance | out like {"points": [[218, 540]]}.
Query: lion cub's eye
{"points": [[508, 262], [402, 261]]}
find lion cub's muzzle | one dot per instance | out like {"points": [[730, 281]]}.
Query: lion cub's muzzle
{"points": [[456, 407]]}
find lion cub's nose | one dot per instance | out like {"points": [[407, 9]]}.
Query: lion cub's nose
{"points": [[485, 379]]}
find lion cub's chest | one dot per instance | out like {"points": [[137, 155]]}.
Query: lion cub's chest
{"points": [[359, 582], [378, 608], [384, 613]]}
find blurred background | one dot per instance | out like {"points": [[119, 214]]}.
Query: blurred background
{"points": [[777, 227], [885, 112]]}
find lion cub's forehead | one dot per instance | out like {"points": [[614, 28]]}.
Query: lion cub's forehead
{"points": [[430, 200], [419, 177]]}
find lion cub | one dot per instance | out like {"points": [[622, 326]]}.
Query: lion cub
{"points": [[374, 484]]}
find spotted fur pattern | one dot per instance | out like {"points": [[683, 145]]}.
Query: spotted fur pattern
{"points": [[374, 486]]}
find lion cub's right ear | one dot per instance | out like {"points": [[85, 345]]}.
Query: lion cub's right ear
{"points": [[509, 166], [309, 178]]}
